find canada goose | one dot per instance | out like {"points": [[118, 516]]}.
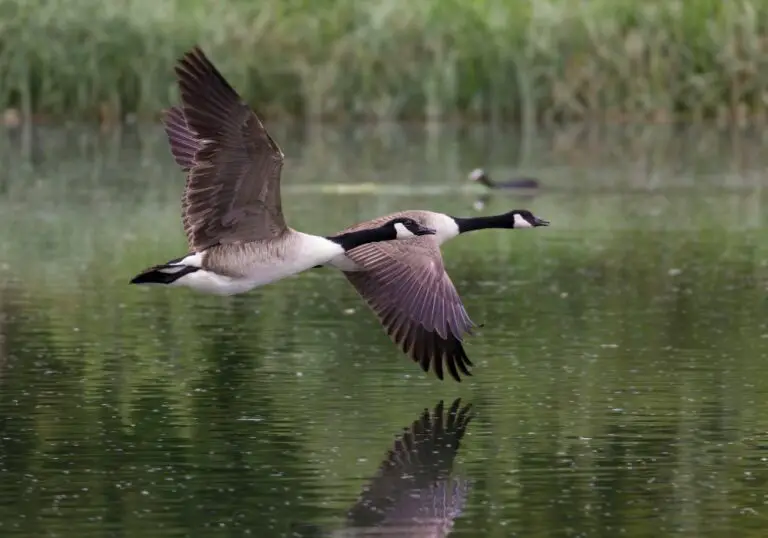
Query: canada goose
{"points": [[232, 214], [406, 285], [404, 282], [413, 494], [480, 176]]}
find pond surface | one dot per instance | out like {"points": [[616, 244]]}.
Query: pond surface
{"points": [[620, 384]]}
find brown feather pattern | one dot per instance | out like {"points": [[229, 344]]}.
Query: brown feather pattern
{"points": [[233, 184], [184, 143], [405, 284], [184, 146]]}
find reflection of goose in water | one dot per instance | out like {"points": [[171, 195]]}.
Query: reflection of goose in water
{"points": [[3, 354], [478, 175], [8, 312], [413, 494], [485, 198]]}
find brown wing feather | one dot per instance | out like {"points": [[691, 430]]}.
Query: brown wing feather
{"points": [[233, 186], [424, 346], [184, 143], [404, 282]]}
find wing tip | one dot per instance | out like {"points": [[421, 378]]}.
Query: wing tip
{"points": [[429, 349], [193, 59], [441, 354], [204, 90], [210, 102]]}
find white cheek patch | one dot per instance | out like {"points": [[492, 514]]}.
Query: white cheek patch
{"points": [[520, 222], [193, 260], [172, 269], [402, 231]]}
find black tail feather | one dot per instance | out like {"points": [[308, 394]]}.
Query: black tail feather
{"points": [[163, 274]]}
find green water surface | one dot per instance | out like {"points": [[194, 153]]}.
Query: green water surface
{"points": [[620, 384]]}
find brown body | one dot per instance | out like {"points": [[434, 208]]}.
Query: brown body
{"points": [[236, 261]]}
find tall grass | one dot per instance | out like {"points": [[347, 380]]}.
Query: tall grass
{"points": [[542, 60]]}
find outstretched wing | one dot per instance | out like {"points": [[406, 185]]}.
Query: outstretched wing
{"points": [[233, 183]]}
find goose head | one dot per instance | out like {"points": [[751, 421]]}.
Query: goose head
{"points": [[477, 174], [522, 218], [404, 227]]}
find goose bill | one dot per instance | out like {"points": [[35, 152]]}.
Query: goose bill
{"points": [[425, 230]]}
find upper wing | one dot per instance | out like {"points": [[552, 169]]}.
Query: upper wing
{"points": [[405, 284], [184, 146], [184, 143], [413, 482], [233, 184]]}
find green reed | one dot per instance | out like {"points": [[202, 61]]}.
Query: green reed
{"points": [[471, 59]]}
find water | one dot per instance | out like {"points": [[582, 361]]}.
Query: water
{"points": [[620, 384]]}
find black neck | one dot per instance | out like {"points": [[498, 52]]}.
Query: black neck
{"points": [[350, 240], [471, 224], [485, 179]]}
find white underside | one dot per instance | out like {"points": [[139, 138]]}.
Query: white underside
{"points": [[302, 252], [213, 283], [444, 225], [343, 263]]}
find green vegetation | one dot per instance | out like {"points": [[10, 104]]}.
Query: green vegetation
{"points": [[438, 59]]}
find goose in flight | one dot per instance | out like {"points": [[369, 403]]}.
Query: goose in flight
{"points": [[404, 282], [231, 209]]}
